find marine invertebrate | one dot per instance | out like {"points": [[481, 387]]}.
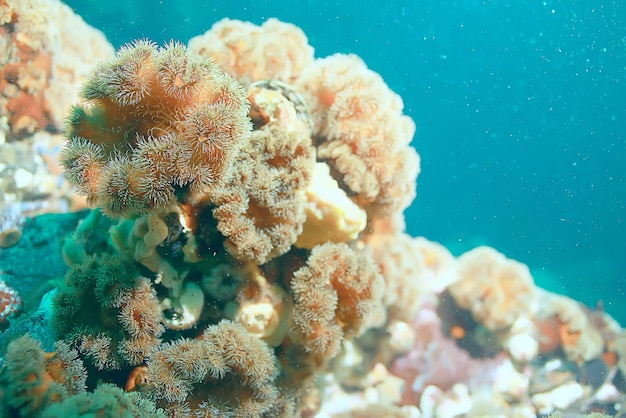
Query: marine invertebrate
{"points": [[33, 379], [106, 400], [259, 206], [496, 290], [43, 63], [275, 50], [362, 132], [412, 268], [198, 372], [153, 124], [574, 330], [113, 289], [338, 294]]}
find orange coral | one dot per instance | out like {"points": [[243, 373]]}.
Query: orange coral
{"points": [[275, 50], [495, 289], [40, 73], [260, 209], [153, 124], [337, 294], [364, 135], [198, 371]]}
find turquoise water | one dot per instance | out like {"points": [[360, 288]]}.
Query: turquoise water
{"points": [[520, 108]]}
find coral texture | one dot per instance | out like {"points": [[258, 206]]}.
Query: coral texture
{"points": [[338, 293], [224, 356], [100, 292], [275, 50], [47, 53], [363, 133], [153, 123], [260, 208]]}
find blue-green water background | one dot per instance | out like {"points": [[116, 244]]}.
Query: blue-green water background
{"points": [[520, 108]]}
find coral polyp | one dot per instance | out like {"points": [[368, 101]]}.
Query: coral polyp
{"points": [[152, 124]]}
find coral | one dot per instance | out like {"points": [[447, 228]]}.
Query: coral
{"points": [[106, 401], [496, 290], [255, 261], [33, 379], [260, 207], [47, 50], [99, 294], [336, 295], [363, 134], [576, 334], [275, 50], [153, 123], [199, 371], [412, 268]]}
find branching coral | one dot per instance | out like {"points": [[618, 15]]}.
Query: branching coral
{"points": [[153, 123]]}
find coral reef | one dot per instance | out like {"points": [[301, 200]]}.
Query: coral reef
{"points": [[246, 254]]}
